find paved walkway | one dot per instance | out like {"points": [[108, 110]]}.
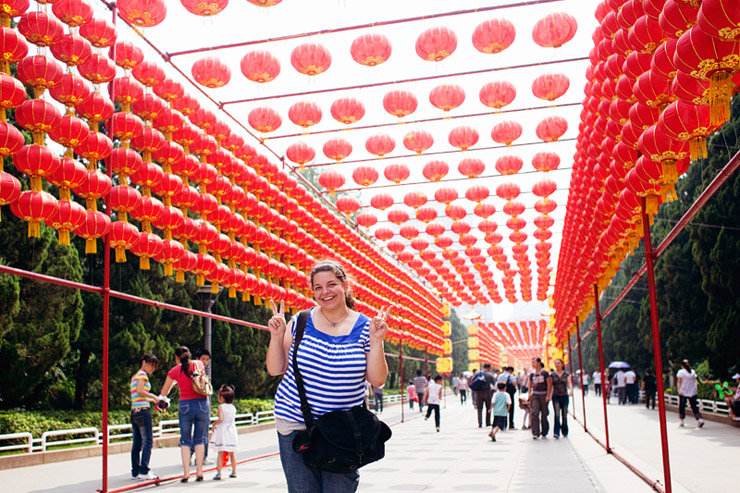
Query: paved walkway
{"points": [[701, 459], [461, 458]]}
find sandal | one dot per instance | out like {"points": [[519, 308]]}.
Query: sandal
{"points": [[217, 477], [199, 478], [185, 479], [232, 475]]}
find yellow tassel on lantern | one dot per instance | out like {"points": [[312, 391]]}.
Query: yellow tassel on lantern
{"points": [[651, 206], [214, 288], [720, 95], [36, 183], [670, 173], [245, 296], [698, 148], [92, 205], [144, 263], [91, 245], [232, 292], [332, 193], [120, 255], [64, 237], [146, 226], [180, 276], [64, 194], [668, 191], [257, 301], [167, 269]]}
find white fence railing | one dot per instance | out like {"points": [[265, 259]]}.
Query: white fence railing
{"points": [[116, 433], [715, 407]]}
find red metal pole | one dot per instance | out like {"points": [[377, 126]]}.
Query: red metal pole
{"points": [[403, 382], [580, 367], [601, 366], [570, 363], [649, 259]]}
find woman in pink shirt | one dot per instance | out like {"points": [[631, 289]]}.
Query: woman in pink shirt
{"points": [[193, 411]]}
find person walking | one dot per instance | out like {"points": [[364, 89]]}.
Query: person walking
{"points": [[597, 383], [378, 394], [607, 385], [630, 379], [193, 411], [411, 391], [501, 405], [539, 399], [225, 437], [347, 343], [562, 389], [204, 355], [454, 381], [473, 393], [687, 391], [141, 419], [620, 381], [584, 382], [462, 389], [420, 383], [433, 396], [507, 377], [482, 384], [649, 386]]}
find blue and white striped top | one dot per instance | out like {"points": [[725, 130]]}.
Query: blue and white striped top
{"points": [[333, 370]]}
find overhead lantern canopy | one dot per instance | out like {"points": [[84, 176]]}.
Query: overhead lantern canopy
{"points": [[554, 30], [436, 44], [493, 36], [370, 49], [142, 13]]}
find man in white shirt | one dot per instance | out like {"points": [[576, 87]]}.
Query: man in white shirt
{"points": [[630, 379], [621, 386], [597, 382]]}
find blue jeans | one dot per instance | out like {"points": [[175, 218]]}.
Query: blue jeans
{"points": [[205, 434], [194, 418], [141, 450], [379, 402], [560, 404], [301, 479]]}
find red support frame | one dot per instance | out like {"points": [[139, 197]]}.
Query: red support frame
{"points": [[580, 367], [604, 380]]}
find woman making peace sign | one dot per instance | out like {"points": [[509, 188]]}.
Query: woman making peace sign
{"points": [[341, 348]]}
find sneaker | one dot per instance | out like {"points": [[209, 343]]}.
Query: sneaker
{"points": [[556, 437], [535, 437], [426, 418], [437, 430], [135, 478], [680, 425], [147, 477], [736, 418], [701, 423], [493, 438], [208, 462]]}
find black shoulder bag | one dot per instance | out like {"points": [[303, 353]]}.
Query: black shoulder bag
{"points": [[338, 441]]}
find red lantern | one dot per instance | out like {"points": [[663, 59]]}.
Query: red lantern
{"points": [[436, 44], [463, 137], [300, 153], [365, 176], [99, 32], [70, 132], [426, 214], [509, 165], [380, 144], [398, 216], [400, 103], [264, 3], [124, 163], [204, 9], [74, 13], [72, 50], [260, 66], [477, 193], [264, 119], [348, 205], [384, 234], [493, 36], [38, 28], [211, 72], [471, 167], [39, 72], [418, 141], [96, 185], [551, 128], [445, 195], [310, 59], [34, 207], [497, 94], [148, 246], [123, 199], [554, 30], [305, 114], [337, 149], [14, 8], [550, 86], [10, 189], [36, 161], [143, 13], [396, 173], [720, 19], [508, 191], [127, 55], [98, 69], [148, 73], [366, 219], [67, 217], [685, 121], [331, 180], [381, 201], [545, 161], [447, 97], [506, 132], [370, 49], [544, 188], [123, 236], [415, 199], [347, 110], [435, 170], [71, 90]]}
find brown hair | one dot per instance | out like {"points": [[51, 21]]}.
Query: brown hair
{"points": [[184, 354], [336, 269], [227, 392]]}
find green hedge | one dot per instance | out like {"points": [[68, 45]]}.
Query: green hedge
{"points": [[704, 390], [37, 422]]}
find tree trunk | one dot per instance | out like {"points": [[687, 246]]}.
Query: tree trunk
{"points": [[81, 381]]}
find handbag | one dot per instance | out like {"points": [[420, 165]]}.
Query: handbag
{"points": [[201, 382], [338, 441]]}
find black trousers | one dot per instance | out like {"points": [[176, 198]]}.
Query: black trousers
{"points": [[483, 398], [692, 402], [511, 411], [435, 408]]}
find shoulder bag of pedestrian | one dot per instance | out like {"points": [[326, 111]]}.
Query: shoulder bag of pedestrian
{"points": [[510, 387], [338, 441], [201, 382], [479, 382]]}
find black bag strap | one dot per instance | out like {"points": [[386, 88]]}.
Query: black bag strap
{"points": [[300, 329]]}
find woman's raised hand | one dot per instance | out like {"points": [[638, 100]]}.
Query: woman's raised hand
{"points": [[378, 326], [277, 322]]}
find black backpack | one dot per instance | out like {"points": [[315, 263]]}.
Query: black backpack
{"points": [[510, 387], [479, 382]]}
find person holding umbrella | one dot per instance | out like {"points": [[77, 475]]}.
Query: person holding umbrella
{"points": [[620, 380]]}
